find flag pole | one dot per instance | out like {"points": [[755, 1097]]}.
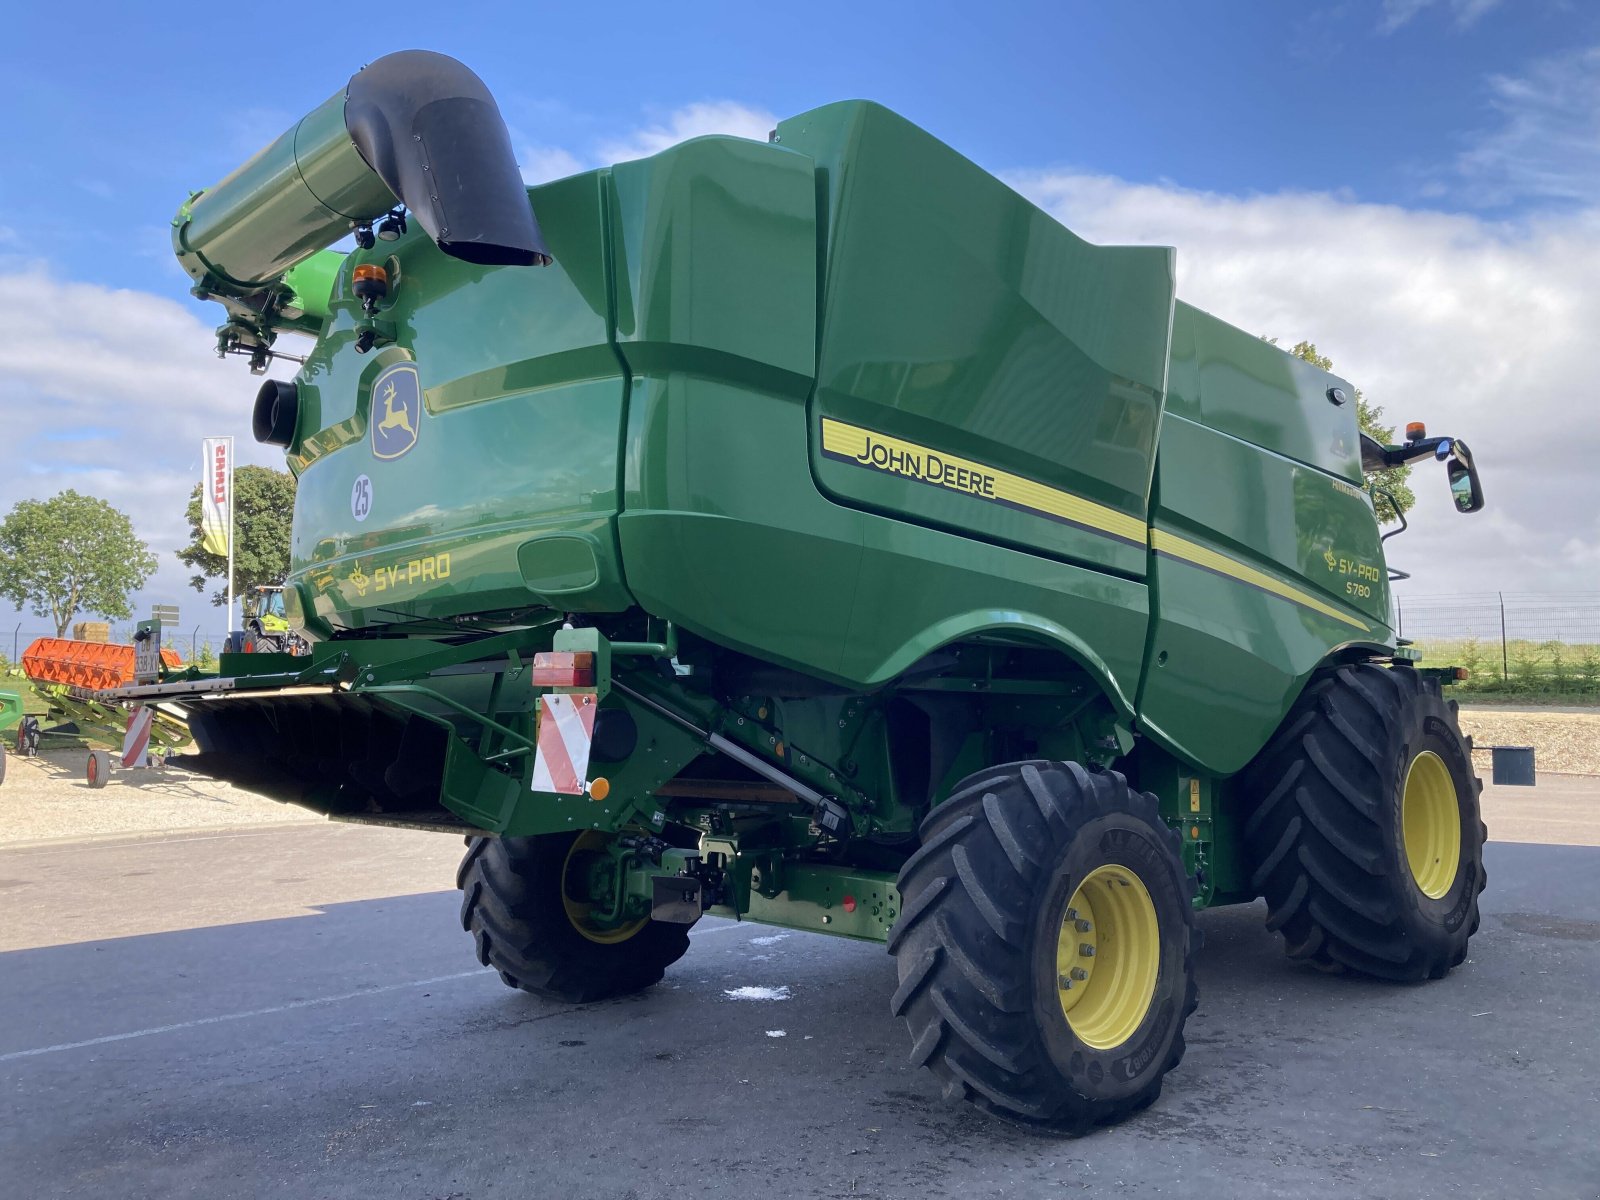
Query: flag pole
{"points": [[231, 499]]}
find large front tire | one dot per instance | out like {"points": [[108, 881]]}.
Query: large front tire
{"points": [[526, 925], [1045, 946], [1366, 833]]}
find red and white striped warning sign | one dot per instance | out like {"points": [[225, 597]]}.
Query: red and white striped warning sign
{"points": [[566, 728], [137, 739]]}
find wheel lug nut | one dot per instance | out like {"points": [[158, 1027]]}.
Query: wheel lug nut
{"points": [[1085, 950], [1084, 926], [1072, 914], [1066, 981], [1079, 974]]}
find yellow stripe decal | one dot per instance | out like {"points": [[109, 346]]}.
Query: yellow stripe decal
{"points": [[879, 452], [1173, 546]]}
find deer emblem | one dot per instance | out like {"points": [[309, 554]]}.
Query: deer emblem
{"points": [[394, 418], [395, 431]]}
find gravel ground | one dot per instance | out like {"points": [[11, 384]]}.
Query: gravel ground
{"points": [[46, 797], [1563, 742]]}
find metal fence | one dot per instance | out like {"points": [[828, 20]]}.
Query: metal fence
{"points": [[1544, 640], [1520, 641], [188, 642]]}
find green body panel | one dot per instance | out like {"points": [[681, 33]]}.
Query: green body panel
{"points": [[959, 317], [1304, 573], [1240, 385], [517, 441], [715, 250], [736, 554], [816, 898], [311, 284], [1227, 656], [834, 448], [10, 709]]}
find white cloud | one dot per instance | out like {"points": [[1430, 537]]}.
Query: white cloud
{"points": [[109, 392], [1546, 143], [694, 120], [541, 163], [1483, 330], [1397, 13]]}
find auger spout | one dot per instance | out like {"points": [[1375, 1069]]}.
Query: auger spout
{"points": [[413, 130]]}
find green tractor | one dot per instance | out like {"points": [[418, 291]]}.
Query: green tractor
{"points": [[817, 533], [266, 622]]}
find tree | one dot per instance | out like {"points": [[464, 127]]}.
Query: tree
{"points": [[263, 510], [1391, 481], [71, 554]]}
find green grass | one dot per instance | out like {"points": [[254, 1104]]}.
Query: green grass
{"points": [[12, 680], [33, 704], [1551, 672]]}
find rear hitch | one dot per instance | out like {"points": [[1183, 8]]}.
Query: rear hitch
{"points": [[677, 899]]}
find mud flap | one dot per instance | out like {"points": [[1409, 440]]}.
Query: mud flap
{"points": [[475, 791]]}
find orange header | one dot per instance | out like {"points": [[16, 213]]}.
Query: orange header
{"points": [[89, 665]]}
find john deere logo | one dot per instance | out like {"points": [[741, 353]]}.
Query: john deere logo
{"points": [[396, 412]]}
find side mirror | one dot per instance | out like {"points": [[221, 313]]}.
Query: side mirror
{"points": [[1465, 488]]}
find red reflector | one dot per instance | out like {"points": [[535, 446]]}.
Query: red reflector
{"points": [[849, 904], [564, 668]]}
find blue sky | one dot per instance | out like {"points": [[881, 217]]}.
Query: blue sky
{"points": [[1376, 175], [1227, 96]]}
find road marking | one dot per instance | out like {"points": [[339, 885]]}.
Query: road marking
{"points": [[279, 1008], [240, 1016], [159, 837]]}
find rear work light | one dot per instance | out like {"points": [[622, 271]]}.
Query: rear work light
{"points": [[564, 668]]}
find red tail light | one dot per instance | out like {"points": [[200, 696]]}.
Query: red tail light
{"points": [[564, 668]]}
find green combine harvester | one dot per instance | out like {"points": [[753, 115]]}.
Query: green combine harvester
{"points": [[817, 533]]}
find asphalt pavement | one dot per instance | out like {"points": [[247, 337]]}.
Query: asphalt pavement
{"points": [[296, 1013]]}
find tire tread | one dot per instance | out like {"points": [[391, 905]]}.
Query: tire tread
{"points": [[962, 944], [1317, 832]]}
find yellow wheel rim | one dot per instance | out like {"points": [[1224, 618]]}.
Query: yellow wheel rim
{"points": [[578, 911], [1108, 957], [1430, 820]]}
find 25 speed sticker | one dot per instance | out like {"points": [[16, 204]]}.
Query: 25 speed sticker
{"points": [[361, 498]]}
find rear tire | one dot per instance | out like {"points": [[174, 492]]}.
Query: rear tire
{"points": [[513, 903], [989, 947], [1367, 834]]}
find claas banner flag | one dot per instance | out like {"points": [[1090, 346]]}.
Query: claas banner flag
{"points": [[216, 495]]}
